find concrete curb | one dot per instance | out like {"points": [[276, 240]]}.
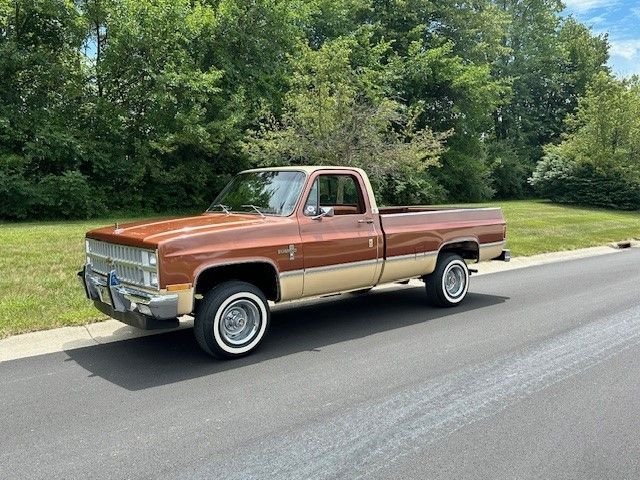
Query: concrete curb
{"points": [[68, 338]]}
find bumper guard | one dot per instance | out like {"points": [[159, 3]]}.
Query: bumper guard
{"points": [[129, 305]]}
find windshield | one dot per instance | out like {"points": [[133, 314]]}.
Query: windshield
{"points": [[262, 193]]}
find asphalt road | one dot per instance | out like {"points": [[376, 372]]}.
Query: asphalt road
{"points": [[537, 375]]}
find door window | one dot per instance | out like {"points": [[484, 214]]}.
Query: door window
{"points": [[341, 192]]}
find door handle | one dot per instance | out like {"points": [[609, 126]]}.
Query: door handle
{"points": [[366, 220]]}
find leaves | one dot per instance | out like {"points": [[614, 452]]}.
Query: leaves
{"points": [[598, 161], [336, 114], [153, 104]]}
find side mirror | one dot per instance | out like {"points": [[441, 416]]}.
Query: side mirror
{"points": [[324, 212]]}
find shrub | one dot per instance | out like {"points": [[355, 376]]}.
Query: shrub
{"points": [[598, 162], [564, 181], [16, 194], [66, 196]]}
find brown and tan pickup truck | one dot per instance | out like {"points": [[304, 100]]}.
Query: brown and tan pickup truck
{"points": [[281, 234]]}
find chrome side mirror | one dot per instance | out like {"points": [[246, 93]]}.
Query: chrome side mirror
{"points": [[324, 212]]}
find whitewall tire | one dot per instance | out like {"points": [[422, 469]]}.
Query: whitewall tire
{"points": [[447, 286], [232, 320]]}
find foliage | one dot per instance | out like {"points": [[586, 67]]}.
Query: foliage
{"points": [[336, 114], [551, 61], [154, 104], [508, 173], [598, 162]]}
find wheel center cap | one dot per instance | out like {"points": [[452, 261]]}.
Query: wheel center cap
{"points": [[236, 320]]}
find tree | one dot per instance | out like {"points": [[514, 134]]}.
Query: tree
{"points": [[153, 104], [336, 114], [42, 97], [160, 109], [550, 61], [444, 63], [598, 161]]}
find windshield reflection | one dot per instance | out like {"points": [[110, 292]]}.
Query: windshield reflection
{"points": [[262, 193]]}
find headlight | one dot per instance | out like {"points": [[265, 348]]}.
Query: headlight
{"points": [[149, 259], [153, 279]]}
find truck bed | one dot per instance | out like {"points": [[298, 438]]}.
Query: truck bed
{"points": [[414, 235]]}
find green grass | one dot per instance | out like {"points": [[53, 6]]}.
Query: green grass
{"points": [[38, 285], [39, 260], [536, 226]]}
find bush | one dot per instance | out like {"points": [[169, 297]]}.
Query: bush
{"points": [[598, 162], [66, 196], [16, 194], [55, 196], [409, 190], [564, 181], [464, 175]]}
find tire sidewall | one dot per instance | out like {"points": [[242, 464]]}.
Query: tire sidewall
{"points": [[208, 318], [446, 264], [245, 348]]}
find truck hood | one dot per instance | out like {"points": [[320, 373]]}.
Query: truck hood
{"points": [[150, 233]]}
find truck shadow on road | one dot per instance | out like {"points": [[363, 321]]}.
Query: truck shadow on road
{"points": [[173, 357]]}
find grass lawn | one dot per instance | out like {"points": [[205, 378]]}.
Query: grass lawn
{"points": [[38, 285], [536, 226], [38, 261]]}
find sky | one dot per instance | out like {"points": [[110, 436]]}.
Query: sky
{"points": [[621, 20]]}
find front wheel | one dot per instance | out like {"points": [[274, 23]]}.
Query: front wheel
{"points": [[447, 286], [232, 320]]}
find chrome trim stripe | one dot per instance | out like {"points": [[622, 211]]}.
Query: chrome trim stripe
{"points": [[395, 258], [444, 210], [493, 244], [339, 266], [399, 258]]}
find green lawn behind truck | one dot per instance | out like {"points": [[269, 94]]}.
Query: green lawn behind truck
{"points": [[39, 260]]}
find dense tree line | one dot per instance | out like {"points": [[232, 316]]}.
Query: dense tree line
{"points": [[153, 104]]}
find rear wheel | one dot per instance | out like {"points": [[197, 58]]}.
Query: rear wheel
{"points": [[232, 320], [447, 286]]}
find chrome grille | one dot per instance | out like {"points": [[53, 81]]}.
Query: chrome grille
{"points": [[131, 264]]}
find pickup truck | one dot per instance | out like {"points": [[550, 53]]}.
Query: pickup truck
{"points": [[281, 234]]}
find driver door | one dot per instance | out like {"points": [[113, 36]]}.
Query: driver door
{"points": [[341, 251]]}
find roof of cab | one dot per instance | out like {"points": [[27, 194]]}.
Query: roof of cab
{"points": [[308, 169]]}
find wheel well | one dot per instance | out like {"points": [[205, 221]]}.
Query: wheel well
{"points": [[467, 249], [260, 274]]}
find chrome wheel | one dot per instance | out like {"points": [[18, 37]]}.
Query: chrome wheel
{"points": [[454, 280], [240, 322]]}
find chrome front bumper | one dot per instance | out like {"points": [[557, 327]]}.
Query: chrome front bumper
{"points": [[127, 304]]}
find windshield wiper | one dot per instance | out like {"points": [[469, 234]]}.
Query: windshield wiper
{"points": [[224, 208], [255, 208]]}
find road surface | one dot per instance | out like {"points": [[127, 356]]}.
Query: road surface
{"points": [[537, 375]]}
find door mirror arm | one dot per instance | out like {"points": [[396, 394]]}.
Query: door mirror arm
{"points": [[324, 212]]}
